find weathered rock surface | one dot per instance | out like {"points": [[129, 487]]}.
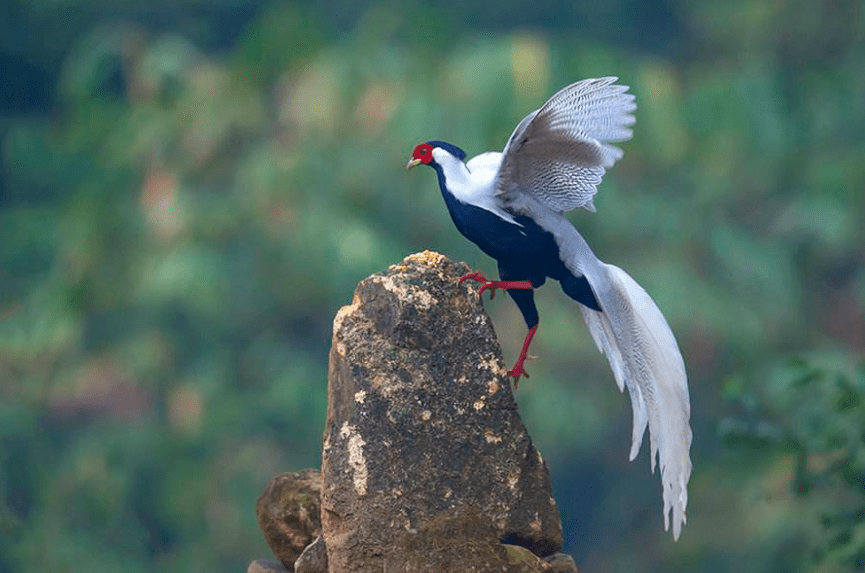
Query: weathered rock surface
{"points": [[313, 559], [426, 464], [289, 513]]}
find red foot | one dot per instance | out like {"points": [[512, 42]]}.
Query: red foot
{"points": [[491, 286], [518, 369]]}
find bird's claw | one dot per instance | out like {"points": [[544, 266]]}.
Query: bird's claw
{"points": [[486, 284], [475, 276], [519, 368], [517, 371]]}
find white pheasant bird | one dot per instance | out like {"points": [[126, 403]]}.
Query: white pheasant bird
{"points": [[512, 204]]}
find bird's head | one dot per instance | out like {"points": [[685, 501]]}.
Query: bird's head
{"points": [[424, 154]]}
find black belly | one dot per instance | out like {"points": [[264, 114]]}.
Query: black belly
{"points": [[525, 252]]}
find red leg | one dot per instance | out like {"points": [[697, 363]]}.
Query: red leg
{"points": [[491, 286], [518, 369]]}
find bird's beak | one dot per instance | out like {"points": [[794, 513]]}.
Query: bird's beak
{"points": [[413, 162]]}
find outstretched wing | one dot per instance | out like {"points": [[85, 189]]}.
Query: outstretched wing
{"points": [[559, 153]]}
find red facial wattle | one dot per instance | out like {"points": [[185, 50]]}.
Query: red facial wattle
{"points": [[422, 154]]}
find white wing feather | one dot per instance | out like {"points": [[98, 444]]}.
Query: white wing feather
{"points": [[559, 153]]}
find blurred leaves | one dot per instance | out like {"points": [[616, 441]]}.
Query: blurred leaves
{"points": [[815, 414]]}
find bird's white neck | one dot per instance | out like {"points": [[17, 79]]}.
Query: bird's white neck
{"points": [[475, 188], [455, 171]]}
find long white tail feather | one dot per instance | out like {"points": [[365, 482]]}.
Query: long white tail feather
{"points": [[644, 357], [642, 351], [599, 328]]}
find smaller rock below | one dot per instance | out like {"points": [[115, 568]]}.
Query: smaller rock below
{"points": [[562, 563], [266, 566], [521, 560], [313, 559], [289, 514]]}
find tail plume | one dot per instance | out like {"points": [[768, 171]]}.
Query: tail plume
{"points": [[644, 356]]}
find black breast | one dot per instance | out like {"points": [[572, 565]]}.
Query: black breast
{"points": [[523, 250]]}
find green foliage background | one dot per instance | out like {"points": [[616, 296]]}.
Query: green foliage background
{"points": [[189, 191]]}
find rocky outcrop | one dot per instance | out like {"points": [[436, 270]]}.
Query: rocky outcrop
{"points": [[289, 514], [426, 465]]}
